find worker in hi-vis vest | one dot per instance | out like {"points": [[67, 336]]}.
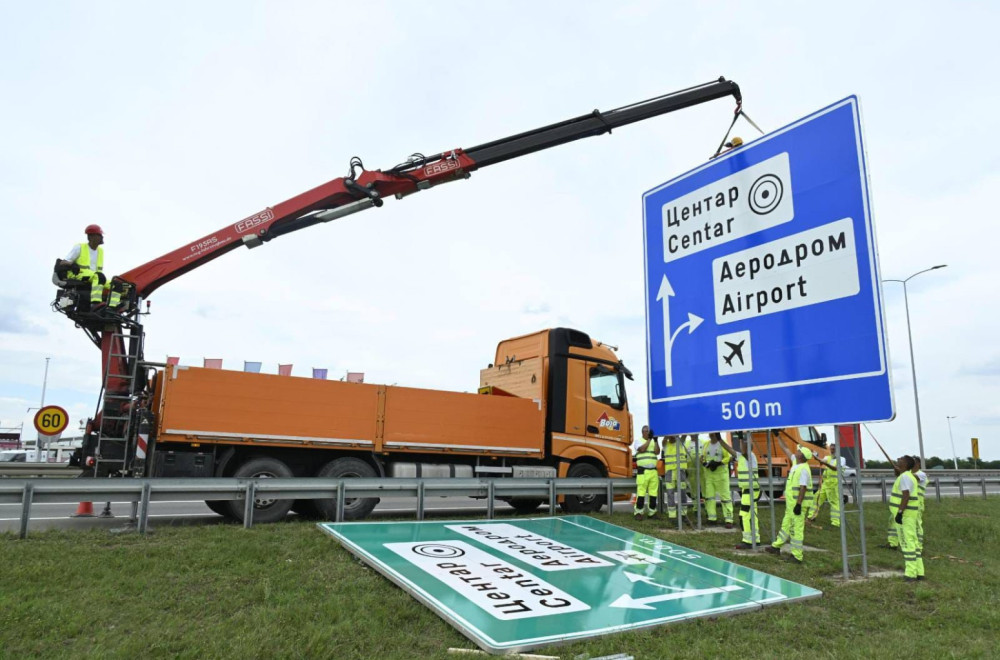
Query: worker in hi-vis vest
{"points": [[921, 499], [675, 468], [793, 458], [86, 264], [646, 452], [828, 490], [715, 458], [798, 492], [746, 476], [905, 509]]}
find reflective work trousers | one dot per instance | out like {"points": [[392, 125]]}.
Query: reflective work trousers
{"points": [[670, 484], [828, 493], [717, 483], [792, 530], [745, 506], [647, 482], [913, 560]]}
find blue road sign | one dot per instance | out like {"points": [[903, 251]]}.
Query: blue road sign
{"points": [[763, 303]]}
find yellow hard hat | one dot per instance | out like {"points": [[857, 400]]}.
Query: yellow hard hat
{"points": [[806, 452]]}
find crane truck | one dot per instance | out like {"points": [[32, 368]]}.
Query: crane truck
{"points": [[552, 403]]}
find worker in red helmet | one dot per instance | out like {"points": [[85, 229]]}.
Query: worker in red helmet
{"points": [[86, 264]]}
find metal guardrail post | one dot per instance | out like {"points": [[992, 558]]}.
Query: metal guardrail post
{"points": [[490, 501], [982, 482], [552, 497], [884, 497], [341, 491], [26, 494], [961, 487], [420, 500], [144, 507], [937, 488], [611, 499], [250, 495]]}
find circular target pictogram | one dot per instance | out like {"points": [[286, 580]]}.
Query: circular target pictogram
{"points": [[438, 550], [765, 194]]}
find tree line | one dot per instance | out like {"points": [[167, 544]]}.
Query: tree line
{"points": [[946, 463]]}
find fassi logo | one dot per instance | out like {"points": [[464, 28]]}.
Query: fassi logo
{"points": [[247, 224], [441, 166], [607, 422]]}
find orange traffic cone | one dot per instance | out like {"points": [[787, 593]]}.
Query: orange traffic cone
{"points": [[84, 510]]}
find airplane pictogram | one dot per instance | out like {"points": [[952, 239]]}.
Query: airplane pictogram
{"points": [[737, 351]]}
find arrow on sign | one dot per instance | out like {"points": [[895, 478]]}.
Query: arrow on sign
{"points": [[626, 601], [664, 295], [635, 577]]}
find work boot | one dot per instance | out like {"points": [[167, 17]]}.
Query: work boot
{"points": [[638, 516], [770, 549], [743, 546], [793, 559], [921, 577], [729, 525], [910, 579]]}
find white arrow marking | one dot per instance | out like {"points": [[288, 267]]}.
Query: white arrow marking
{"points": [[635, 577], [626, 601], [663, 295]]}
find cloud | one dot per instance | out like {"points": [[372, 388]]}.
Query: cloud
{"points": [[536, 308], [989, 367], [15, 322]]}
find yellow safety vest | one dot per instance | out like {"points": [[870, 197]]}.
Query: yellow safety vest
{"points": [[674, 456], [792, 485], [83, 261], [646, 458]]}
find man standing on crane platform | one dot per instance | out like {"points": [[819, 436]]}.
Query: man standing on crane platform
{"points": [[86, 264]]}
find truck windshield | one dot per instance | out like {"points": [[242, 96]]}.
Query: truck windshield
{"points": [[605, 387]]}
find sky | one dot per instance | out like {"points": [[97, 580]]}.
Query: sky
{"points": [[164, 122]]}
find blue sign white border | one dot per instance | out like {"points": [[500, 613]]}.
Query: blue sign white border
{"points": [[884, 358]]}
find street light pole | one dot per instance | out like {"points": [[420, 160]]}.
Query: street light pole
{"points": [[38, 440], [953, 454], [913, 364]]}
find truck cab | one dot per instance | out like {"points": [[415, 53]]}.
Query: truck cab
{"points": [[579, 383]]}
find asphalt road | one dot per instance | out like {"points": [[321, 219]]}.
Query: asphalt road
{"points": [[59, 516]]}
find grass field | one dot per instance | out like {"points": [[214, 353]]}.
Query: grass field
{"points": [[288, 590]]}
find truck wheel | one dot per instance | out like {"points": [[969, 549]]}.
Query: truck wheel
{"points": [[220, 507], [583, 503], [525, 506], [264, 510], [307, 509], [355, 508]]}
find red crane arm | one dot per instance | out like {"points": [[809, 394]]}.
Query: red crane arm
{"points": [[362, 189]]}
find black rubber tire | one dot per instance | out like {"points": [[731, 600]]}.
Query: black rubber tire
{"points": [[525, 506], [355, 508], [220, 507], [583, 503], [307, 509], [265, 511]]}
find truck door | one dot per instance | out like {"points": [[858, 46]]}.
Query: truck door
{"points": [[607, 417], [576, 397]]}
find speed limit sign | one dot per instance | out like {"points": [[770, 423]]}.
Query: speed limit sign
{"points": [[51, 420]]}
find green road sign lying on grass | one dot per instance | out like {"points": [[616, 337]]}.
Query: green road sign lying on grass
{"points": [[531, 582]]}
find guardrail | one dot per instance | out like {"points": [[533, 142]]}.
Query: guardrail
{"points": [[144, 491], [38, 470]]}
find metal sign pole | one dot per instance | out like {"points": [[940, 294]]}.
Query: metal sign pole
{"points": [[770, 483], [697, 476], [752, 476], [860, 500], [840, 508]]}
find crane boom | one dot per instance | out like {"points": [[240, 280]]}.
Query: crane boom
{"points": [[362, 189]]}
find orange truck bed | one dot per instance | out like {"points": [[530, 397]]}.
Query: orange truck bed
{"points": [[233, 407]]}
